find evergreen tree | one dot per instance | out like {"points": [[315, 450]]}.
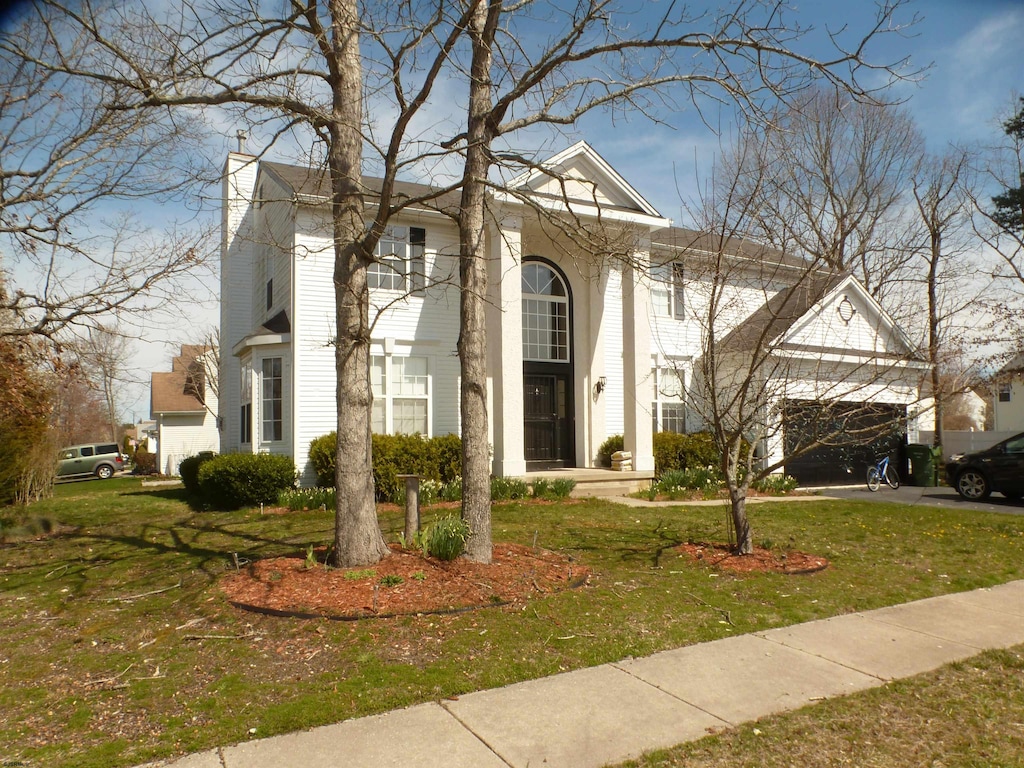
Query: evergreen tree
{"points": [[1009, 206]]}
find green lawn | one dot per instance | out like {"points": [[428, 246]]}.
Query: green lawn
{"points": [[116, 646]]}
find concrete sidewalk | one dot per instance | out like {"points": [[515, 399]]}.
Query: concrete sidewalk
{"points": [[606, 714]]}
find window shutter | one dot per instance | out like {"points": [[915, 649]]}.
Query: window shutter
{"points": [[678, 275], [417, 259]]}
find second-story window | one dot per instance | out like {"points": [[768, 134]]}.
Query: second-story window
{"points": [[667, 289], [399, 260]]}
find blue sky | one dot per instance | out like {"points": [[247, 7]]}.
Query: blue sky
{"points": [[973, 51]]}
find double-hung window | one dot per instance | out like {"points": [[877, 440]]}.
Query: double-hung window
{"points": [[667, 289], [399, 260], [401, 394], [272, 399], [245, 435], [668, 410], [1005, 393]]}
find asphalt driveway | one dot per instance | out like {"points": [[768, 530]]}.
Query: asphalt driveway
{"points": [[931, 497]]}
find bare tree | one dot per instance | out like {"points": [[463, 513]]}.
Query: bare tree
{"points": [[103, 357], [999, 223], [768, 396], [70, 170], [748, 56], [837, 185], [943, 189]]}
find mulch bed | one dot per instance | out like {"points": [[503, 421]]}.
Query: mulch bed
{"points": [[721, 556], [403, 583]]}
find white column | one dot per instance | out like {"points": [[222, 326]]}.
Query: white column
{"points": [[598, 328], [636, 359], [505, 347]]}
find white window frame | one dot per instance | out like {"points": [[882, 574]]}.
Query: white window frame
{"points": [[245, 404], [667, 295], [399, 261], [669, 395], [278, 398], [542, 314], [394, 390]]}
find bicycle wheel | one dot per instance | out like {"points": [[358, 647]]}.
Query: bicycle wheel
{"points": [[891, 477], [874, 479]]}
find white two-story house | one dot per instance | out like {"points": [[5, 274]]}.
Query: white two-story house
{"points": [[586, 340]]}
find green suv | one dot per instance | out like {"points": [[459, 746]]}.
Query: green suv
{"points": [[100, 459]]}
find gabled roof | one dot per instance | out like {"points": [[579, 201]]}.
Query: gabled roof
{"points": [[1015, 365], [776, 323], [780, 313], [578, 174], [183, 389], [696, 244], [312, 185]]}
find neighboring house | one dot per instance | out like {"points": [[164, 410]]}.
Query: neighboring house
{"points": [[183, 405], [143, 435], [1008, 396], [581, 346]]}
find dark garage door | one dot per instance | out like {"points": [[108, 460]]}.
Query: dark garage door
{"points": [[865, 432]]}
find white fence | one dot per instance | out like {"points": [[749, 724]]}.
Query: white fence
{"points": [[956, 441]]}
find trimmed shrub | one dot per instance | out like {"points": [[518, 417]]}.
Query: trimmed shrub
{"points": [[446, 538], [608, 447], [144, 462], [236, 480], [189, 471], [434, 458], [680, 451], [322, 453]]}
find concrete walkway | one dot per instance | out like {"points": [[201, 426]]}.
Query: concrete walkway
{"points": [[607, 714]]}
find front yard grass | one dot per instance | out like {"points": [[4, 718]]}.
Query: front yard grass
{"points": [[116, 646]]}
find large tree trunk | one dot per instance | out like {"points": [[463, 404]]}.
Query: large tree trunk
{"points": [[357, 536], [476, 475]]}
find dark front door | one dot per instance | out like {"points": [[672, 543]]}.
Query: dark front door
{"points": [[547, 426]]}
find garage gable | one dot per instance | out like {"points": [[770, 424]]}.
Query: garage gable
{"points": [[846, 321]]}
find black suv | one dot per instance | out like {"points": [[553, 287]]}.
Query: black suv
{"points": [[999, 468]]}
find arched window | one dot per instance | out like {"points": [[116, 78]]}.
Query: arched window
{"points": [[545, 314]]}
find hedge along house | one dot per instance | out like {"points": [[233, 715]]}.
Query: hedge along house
{"points": [[589, 331]]}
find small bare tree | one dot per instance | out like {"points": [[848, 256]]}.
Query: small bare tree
{"points": [[766, 398]]}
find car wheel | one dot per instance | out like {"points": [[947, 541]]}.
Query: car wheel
{"points": [[972, 485], [104, 472]]}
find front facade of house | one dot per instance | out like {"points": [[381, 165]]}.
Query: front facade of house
{"points": [[585, 339]]}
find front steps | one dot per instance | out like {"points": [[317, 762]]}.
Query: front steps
{"points": [[597, 482]]}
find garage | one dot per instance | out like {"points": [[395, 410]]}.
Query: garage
{"points": [[850, 436]]}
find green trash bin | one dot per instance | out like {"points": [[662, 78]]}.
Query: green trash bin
{"points": [[924, 463]]}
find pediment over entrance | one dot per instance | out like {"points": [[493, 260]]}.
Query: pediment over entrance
{"points": [[578, 177]]}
